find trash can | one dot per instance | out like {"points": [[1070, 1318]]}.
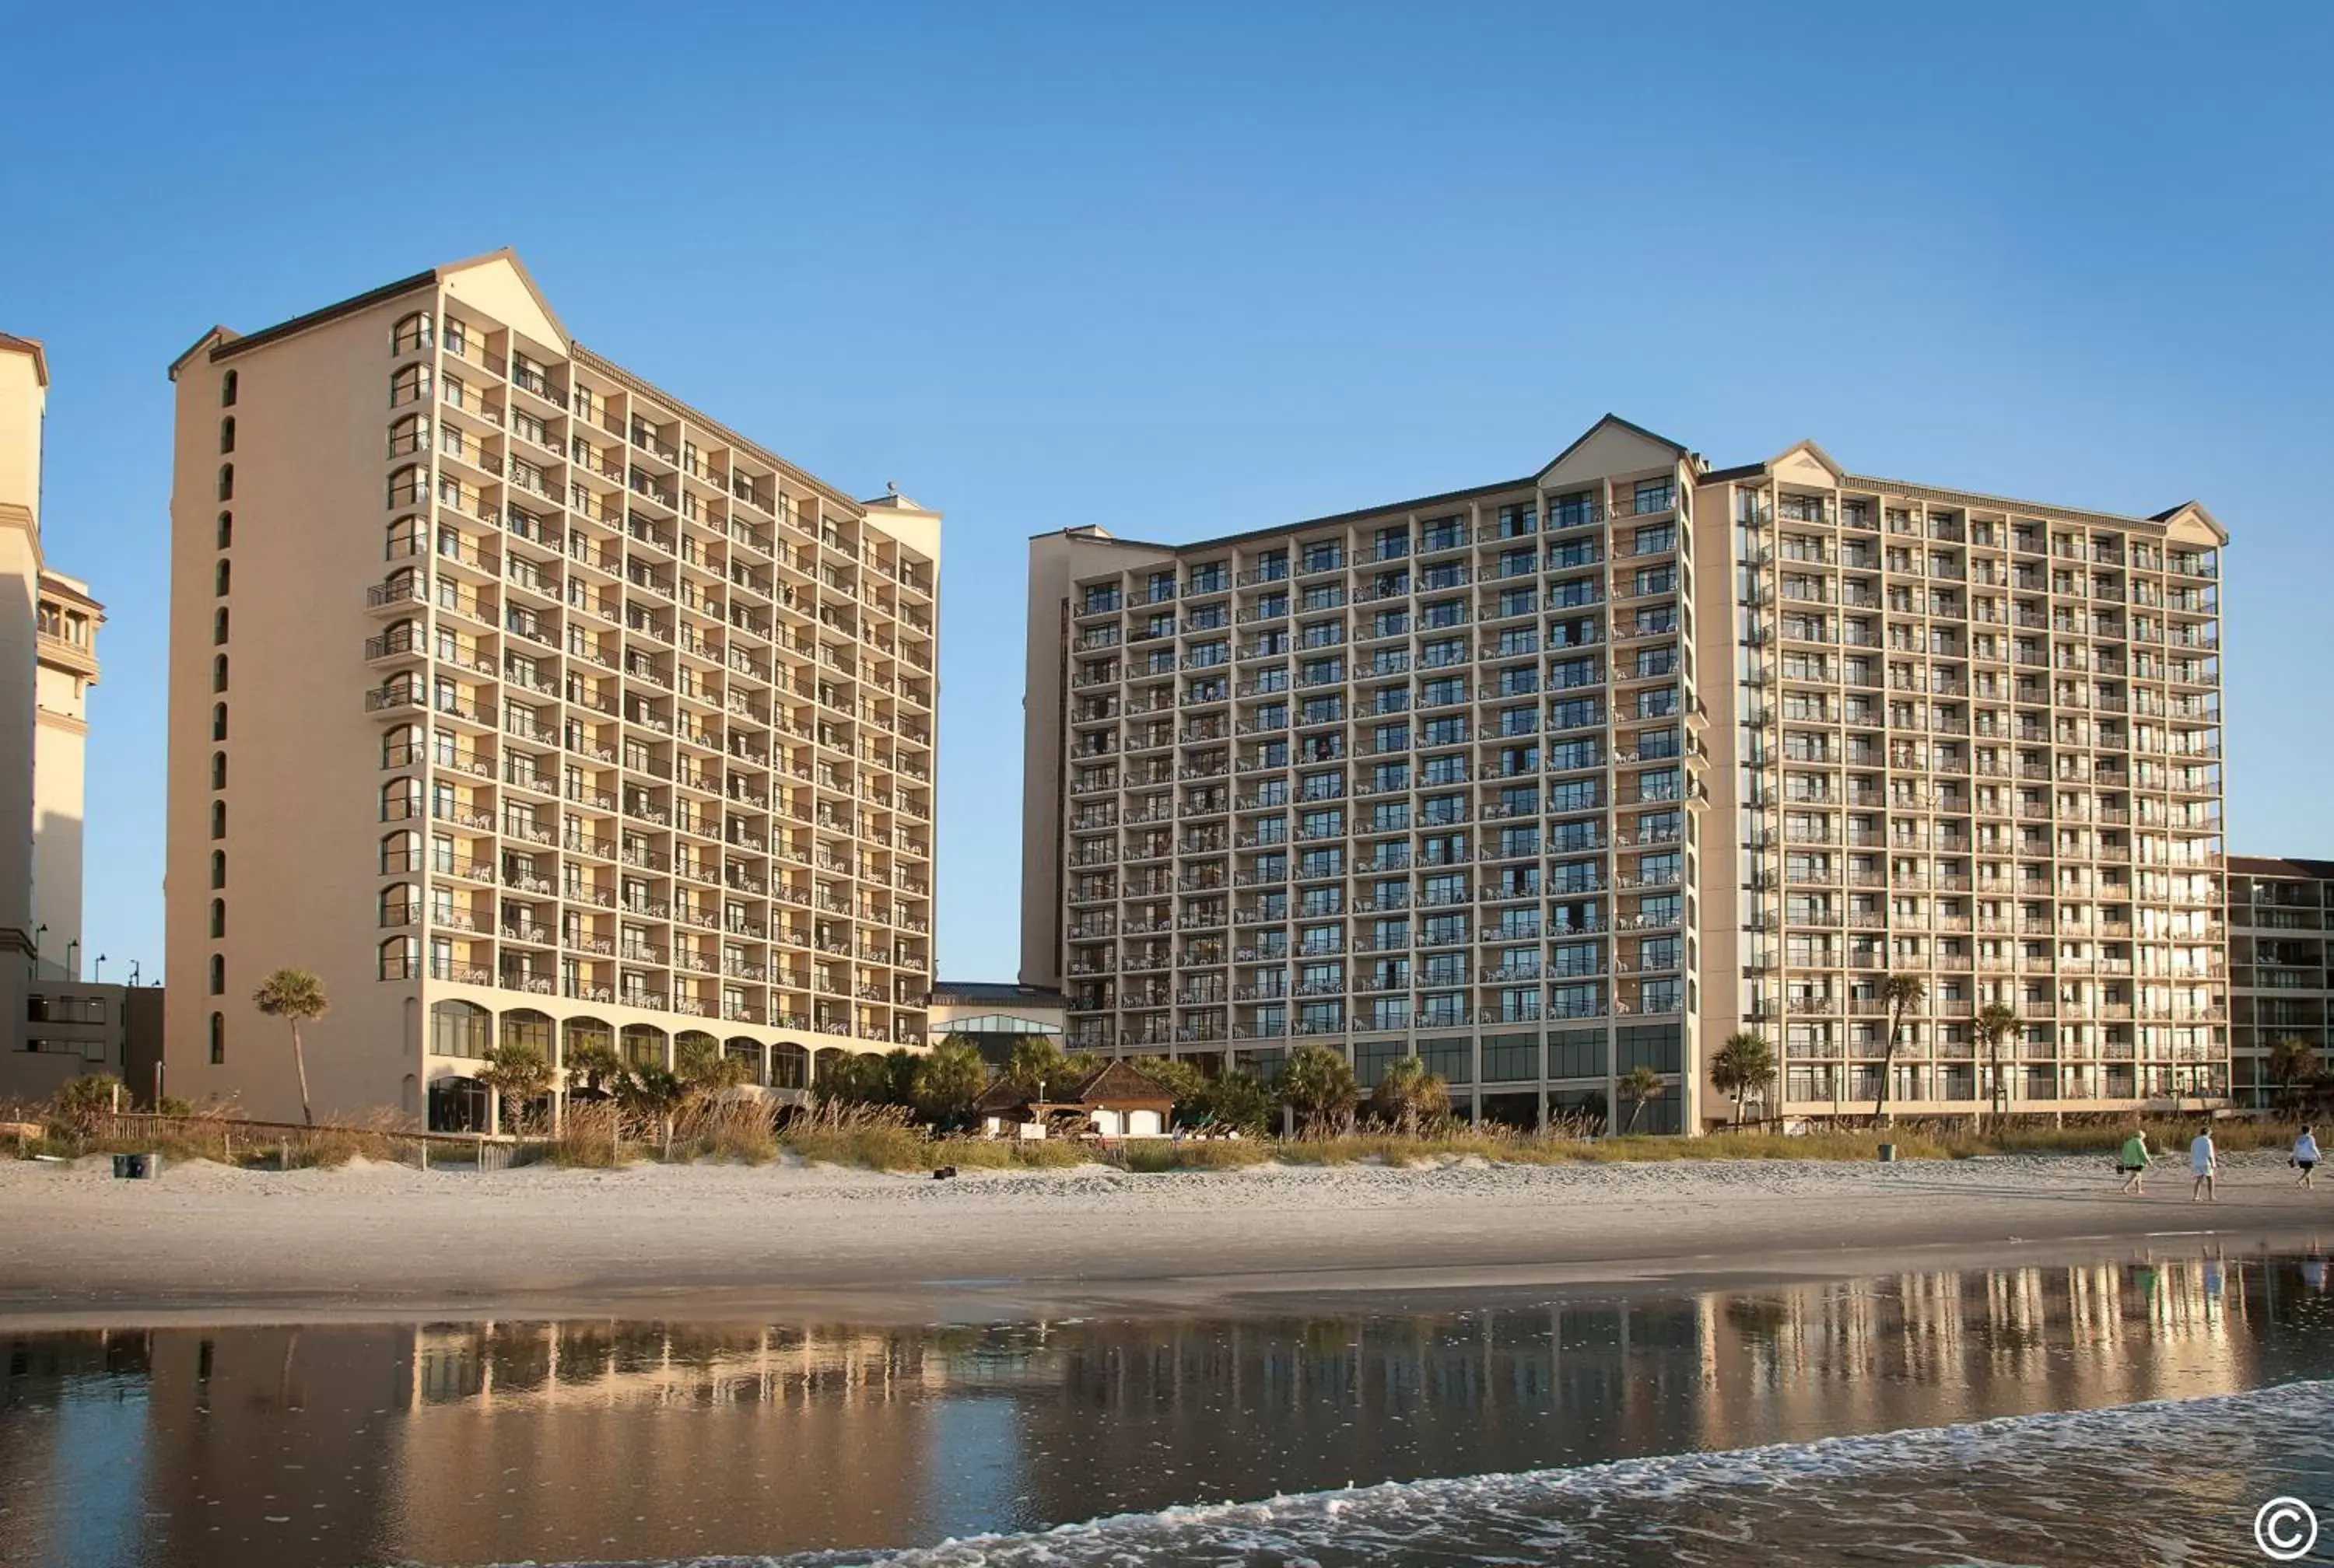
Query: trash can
{"points": [[137, 1167]]}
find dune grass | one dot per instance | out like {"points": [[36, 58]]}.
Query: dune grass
{"points": [[601, 1135]]}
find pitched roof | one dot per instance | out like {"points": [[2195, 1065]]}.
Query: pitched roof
{"points": [[2280, 866], [1120, 1079], [29, 346], [1611, 418]]}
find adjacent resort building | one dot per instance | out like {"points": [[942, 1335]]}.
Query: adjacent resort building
{"points": [[54, 1025], [1570, 774], [2281, 983], [1425, 778], [520, 700]]}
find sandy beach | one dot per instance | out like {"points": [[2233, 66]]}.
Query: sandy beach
{"points": [[208, 1242]]}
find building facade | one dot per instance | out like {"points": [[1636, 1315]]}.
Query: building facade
{"points": [[1423, 779], [58, 1027], [66, 638], [24, 401], [1556, 778], [2281, 983], [521, 701], [994, 1017], [1976, 741]]}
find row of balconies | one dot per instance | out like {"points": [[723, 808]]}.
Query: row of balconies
{"points": [[561, 434]]}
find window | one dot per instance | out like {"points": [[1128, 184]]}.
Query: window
{"points": [[226, 435], [218, 975], [226, 482], [226, 529], [218, 919], [218, 626], [218, 868], [219, 1038], [228, 390], [218, 718], [219, 770], [218, 819]]}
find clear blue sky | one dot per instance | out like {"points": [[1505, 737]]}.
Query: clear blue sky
{"points": [[1211, 268]]}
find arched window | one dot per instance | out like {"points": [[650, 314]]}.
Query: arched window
{"points": [[399, 852], [408, 487], [399, 748], [218, 673], [218, 819], [789, 1066], [218, 1027], [459, 1029], [226, 482], [227, 390], [219, 770], [227, 434], [399, 907], [218, 624], [218, 919], [218, 720], [226, 529], [218, 975], [409, 434], [525, 1027], [643, 1046], [401, 800], [404, 539], [409, 385], [410, 333], [222, 578], [218, 868], [400, 958]]}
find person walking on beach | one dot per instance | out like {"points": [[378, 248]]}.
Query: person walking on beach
{"points": [[2305, 1156], [2133, 1162], [2205, 1164]]}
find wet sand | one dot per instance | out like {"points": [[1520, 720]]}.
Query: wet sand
{"points": [[214, 1244]]}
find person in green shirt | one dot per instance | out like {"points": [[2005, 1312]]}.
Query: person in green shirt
{"points": [[2133, 1162]]}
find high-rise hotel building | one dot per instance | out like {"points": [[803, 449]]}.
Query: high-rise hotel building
{"points": [[1583, 772], [1420, 778], [521, 701], [1976, 741]]}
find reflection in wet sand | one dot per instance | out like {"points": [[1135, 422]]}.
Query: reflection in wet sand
{"points": [[611, 1441]]}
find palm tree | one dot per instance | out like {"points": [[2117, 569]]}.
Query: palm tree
{"points": [[2292, 1062], [1640, 1086], [1998, 1022], [709, 1071], [651, 1088], [1902, 993], [593, 1066], [1317, 1084], [1746, 1062], [1408, 1092], [948, 1082], [1236, 1102], [296, 996], [517, 1072], [1035, 1065]]}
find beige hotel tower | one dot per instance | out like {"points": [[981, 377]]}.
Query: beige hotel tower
{"points": [[1585, 771], [520, 700]]}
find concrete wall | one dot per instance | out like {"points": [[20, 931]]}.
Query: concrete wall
{"points": [[301, 840]]}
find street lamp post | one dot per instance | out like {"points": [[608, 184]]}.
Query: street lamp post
{"points": [[98, 974], [38, 932]]}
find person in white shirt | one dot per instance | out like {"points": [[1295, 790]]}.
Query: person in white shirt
{"points": [[2305, 1156], [2205, 1165]]}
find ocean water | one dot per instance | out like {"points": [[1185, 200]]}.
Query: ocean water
{"points": [[2135, 1410], [2168, 1482]]}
